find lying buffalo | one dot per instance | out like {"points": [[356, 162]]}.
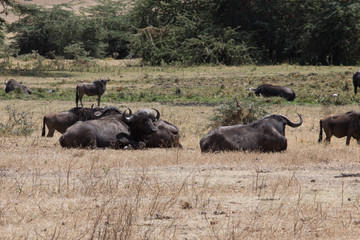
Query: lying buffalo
{"points": [[60, 121], [115, 131], [356, 80], [268, 90], [91, 89], [12, 85], [341, 125], [167, 136], [264, 135]]}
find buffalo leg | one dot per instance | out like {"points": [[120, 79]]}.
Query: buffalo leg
{"points": [[51, 132], [99, 96], [348, 140], [328, 136], [80, 98], [124, 140]]}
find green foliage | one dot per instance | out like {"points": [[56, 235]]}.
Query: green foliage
{"points": [[19, 123], [234, 112], [306, 32], [56, 32], [182, 32], [194, 32], [116, 26]]}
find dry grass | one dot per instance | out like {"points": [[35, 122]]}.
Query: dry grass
{"points": [[51, 193]]}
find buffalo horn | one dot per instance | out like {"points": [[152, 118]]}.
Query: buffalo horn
{"points": [[291, 124], [157, 114], [130, 118], [5, 82]]}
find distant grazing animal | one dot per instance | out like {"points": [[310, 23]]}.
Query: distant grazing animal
{"points": [[264, 135], [96, 88], [356, 80], [167, 136], [12, 84], [268, 90], [60, 121], [341, 125], [113, 131]]}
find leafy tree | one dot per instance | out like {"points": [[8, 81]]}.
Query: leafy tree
{"points": [[5, 4], [307, 32], [116, 25], [51, 31], [183, 31]]}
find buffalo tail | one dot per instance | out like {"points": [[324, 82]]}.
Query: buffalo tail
{"points": [[320, 134], [43, 130]]}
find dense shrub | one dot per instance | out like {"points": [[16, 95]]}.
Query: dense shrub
{"points": [[19, 123], [237, 112]]}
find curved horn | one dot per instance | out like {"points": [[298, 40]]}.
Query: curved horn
{"points": [[291, 124], [157, 114], [5, 81], [130, 118]]}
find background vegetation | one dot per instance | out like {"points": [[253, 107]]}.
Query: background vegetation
{"points": [[193, 32]]}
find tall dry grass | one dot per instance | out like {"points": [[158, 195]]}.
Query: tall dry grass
{"points": [[52, 193]]}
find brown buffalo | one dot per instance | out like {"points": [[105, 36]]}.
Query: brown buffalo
{"points": [[268, 90], [264, 135], [60, 121], [356, 80], [12, 85], [96, 88], [341, 125], [115, 131]]}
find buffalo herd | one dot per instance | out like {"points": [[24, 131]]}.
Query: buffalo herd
{"points": [[109, 127]]}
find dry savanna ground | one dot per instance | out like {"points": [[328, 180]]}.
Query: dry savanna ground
{"points": [[308, 191]]}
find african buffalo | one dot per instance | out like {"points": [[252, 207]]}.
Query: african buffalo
{"points": [[12, 84], [341, 125], [60, 121], [167, 136], [115, 131], [356, 80], [264, 135], [268, 90], [96, 88]]}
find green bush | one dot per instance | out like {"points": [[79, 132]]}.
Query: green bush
{"points": [[237, 112], [19, 123]]}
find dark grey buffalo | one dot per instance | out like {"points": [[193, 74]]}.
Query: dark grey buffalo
{"points": [[268, 90], [12, 85], [341, 125], [264, 135], [91, 89], [115, 131], [60, 121], [356, 80], [166, 136]]}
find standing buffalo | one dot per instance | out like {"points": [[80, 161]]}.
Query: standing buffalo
{"points": [[264, 135], [167, 136], [12, 84], [356, 80], [341, 125], [115, 131], [268, 90], [96, 88], [60, 121]]}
